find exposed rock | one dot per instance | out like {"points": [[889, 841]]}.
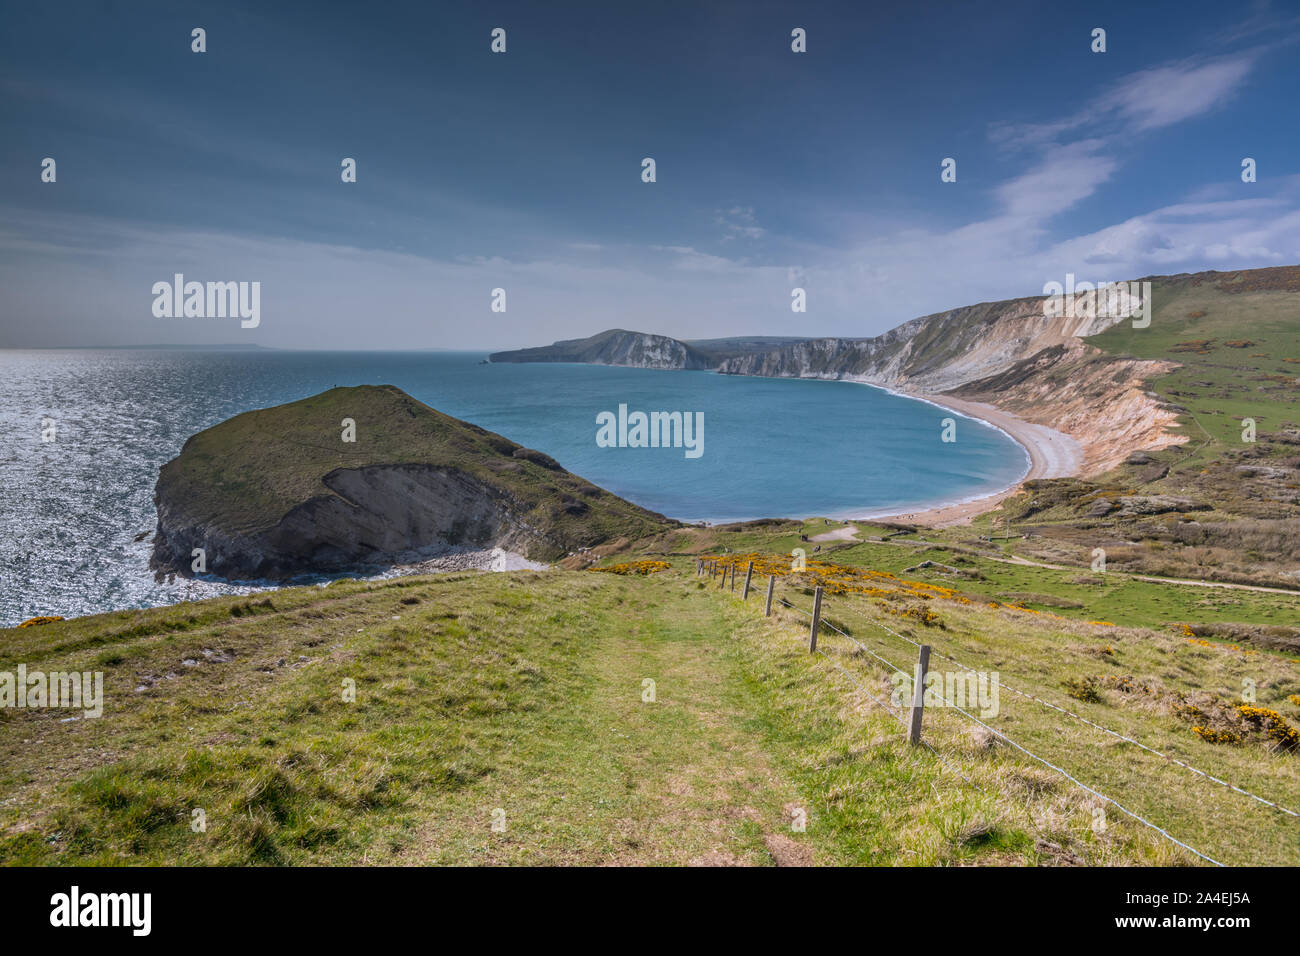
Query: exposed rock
{"points": [[1157, 504], [274, 494], [1263, 471], [616, 347], [1099, 508]]}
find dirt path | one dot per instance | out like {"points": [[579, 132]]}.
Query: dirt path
{"points": [[1227, 585], [846, 533], [1026, 562]]}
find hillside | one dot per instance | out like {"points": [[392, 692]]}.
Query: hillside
{"points": [[278, 492], [1090, 378], [1214, 505], [526, 698], [615, 347]]}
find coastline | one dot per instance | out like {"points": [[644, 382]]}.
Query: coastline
{"points": [[1049, 453], [1052, 454]]}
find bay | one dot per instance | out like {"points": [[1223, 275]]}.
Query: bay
{"points": [[72, 508]]}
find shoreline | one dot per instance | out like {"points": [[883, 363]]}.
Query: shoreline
{"points": [[1052, 454], [1049, 453]]}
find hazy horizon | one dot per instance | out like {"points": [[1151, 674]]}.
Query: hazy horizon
{"points": [[522, 170]]}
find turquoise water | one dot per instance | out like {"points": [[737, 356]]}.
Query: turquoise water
{"points": [[772, 447]]}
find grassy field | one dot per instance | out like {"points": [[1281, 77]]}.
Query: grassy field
{"points": [[1238, 345], [524, 693], [986, 570]]}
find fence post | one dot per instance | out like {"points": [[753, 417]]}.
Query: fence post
{"points": [[816, 621], [771, 586], [918, 694], [723, 583], [749, 573], [733, 576]]}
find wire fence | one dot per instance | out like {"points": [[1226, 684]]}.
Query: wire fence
{"points": [[817, 622]]}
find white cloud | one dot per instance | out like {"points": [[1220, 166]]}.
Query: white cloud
{"points": [[739, 221], [87, 280], [1170, 94], [1065, 176], [1143, 101]]}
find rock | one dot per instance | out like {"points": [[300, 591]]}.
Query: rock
{"points": [[277, 493], [1157, 504], [616, 347], [1099, 508], [1263, 471]]}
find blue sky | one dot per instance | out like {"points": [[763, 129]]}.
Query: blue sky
{"points": [[522, 170]]}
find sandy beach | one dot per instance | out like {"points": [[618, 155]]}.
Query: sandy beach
{"points": [[1052, 454]]}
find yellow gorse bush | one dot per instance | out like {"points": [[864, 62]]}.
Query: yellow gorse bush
{"points": [[834, 578], [46, 619], [635, 567], [837, 579]]}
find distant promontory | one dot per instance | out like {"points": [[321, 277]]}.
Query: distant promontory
{"points": [[366, 476]]}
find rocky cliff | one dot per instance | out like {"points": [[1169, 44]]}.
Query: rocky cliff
{"points": [[1046, 370], [1007, 354], [279, 492], [616, 347]]}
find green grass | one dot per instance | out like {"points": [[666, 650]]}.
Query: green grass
{"points": [[523, 692], [1119, 597], [1226, 384], [245, 474]]}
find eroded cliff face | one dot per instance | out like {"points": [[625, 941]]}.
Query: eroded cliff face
{"points": [[1102, 403], [650, 351], [376, 516], [277, 492], [934, 353], [1007, 354], [615, 347]]}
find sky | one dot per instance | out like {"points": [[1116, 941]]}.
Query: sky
{"points": [[522, 170]]}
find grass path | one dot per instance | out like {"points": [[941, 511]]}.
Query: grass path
{"points": [[633, 773], [523, 693], [520, 693]]}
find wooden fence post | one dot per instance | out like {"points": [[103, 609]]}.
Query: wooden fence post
{"points": [[749, 573], [918, 694], [771, 586], [733, 576], [723, 582], [816, 621]]}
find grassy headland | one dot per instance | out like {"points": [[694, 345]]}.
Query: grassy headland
{"points": [[525, 692]]}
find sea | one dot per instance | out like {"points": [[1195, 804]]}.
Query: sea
{"points": [[77, 511]]}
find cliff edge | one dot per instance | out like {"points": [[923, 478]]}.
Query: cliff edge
{"points": [[281, 492]]}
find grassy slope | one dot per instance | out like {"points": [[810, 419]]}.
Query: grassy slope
{"points": [[247, 472], [1223, 384], [523, 692], [1237, 339], [1077, 594]]}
